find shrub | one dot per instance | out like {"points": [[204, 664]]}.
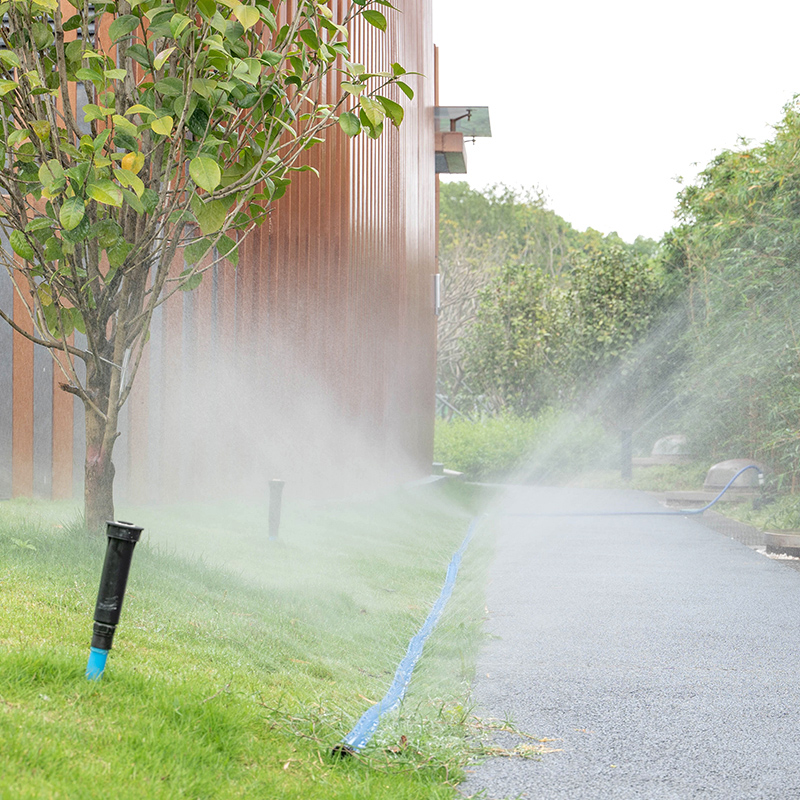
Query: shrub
{"points": [[547, 448]]}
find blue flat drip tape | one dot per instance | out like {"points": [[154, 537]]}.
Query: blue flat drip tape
{"points": [[365, 728]]}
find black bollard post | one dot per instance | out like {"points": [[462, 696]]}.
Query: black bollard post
{"points": [[122, 538], [275, 499], [626, 453]]}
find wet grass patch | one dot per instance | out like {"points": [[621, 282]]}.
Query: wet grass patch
{"points": [[239, 662]]}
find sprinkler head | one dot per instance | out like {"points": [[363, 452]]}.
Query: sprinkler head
{"points": [[342, 751], [275, 501], [122, 538]]}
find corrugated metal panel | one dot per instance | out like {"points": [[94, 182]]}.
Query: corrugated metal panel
{"points": [[6, 395], [22, 405]]}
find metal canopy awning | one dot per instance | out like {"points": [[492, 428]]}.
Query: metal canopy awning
{"points": [[472, 121], [453, 124]]}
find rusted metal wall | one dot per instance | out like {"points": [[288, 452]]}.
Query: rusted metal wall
{"points": [[313, 360]]}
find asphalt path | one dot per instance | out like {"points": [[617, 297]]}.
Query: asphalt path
{"points": [[660, 657]]}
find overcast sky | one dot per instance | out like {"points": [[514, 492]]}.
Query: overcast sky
{"points": [[604, 105]]}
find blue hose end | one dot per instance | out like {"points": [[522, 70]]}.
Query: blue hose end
{"points": [[97, 663]]}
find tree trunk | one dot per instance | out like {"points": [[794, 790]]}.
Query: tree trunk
{"points": [[98, 493]]}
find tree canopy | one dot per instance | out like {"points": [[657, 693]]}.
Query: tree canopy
{"points": [[513, 272], [735, 252]]}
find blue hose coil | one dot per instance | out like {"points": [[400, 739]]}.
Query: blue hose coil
{"points": [[365, 728], [97, 663], [680, 513]]}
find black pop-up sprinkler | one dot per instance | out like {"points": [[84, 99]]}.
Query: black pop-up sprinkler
{"points": [[122, 538], [275, 495]]}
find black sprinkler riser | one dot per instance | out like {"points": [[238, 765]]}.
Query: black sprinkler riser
{"points": [[275, 501], [122, 538]]}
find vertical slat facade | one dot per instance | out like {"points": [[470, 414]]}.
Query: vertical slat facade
{"points": [[312, 361]]}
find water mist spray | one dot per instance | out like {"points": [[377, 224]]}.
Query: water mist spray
{"points": [[122, 538]]}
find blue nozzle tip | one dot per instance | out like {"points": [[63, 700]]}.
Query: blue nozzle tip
{"points": [[97, 663]]}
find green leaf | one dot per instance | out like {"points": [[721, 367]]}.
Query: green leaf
{"points": [[196, 250], [7, 86], [140, 54], [203, 86], [271, 58], [228, 248], [191, 280], [393, 110], [198, 122], [138, 108], [373, 110], [247, 16], [353, 88], [122, 26], [375, 18], [99, 141], [124, 125], [150, 200], [118, 252], [178, 24], [350, 123], [107, 232], [134, 202], [77, 234], [210, 215], [92, 112], [161, 58], [38, 223], [309, 37], [169, 87], [18, 136], [72, 212], [162, 126], [267, 15], [51, 174], [89, 74], [405, 89], [52, 250], [42, 35], [205, 172], [130, 179], [50, 314], [106, 192], [373, 131], [10, 58], [77, 320], [21, 246]]}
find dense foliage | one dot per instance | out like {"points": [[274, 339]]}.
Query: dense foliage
{"points": [[736, 252], [541, 340], [516, 276]]}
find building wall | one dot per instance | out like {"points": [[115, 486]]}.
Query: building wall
{"points": [[312, 361]]}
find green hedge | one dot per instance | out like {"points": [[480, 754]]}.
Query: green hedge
{"points": [[550, 447]]}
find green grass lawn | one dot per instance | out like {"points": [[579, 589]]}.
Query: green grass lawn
{"points": [[239, 662]]}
